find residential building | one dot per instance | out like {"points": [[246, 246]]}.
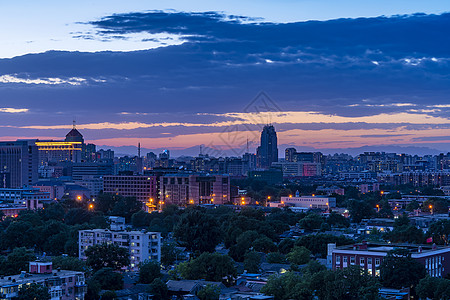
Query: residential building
{"points": [[140, 245], [62, 284]]}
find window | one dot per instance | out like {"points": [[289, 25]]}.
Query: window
{"points": [[361, 261], [338, 259], [70, 279], [345, 259], [352, 260], [377, 261], [369, 260]]}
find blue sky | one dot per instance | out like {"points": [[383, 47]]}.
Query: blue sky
{"points": [[201, 66]]}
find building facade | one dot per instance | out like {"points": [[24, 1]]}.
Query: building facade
{"points": [[370, 256], [141, 187], [267, 153], [310, 201], [18, 163], [141, 246]]}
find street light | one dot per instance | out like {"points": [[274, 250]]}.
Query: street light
{"points": [[431, 208]]}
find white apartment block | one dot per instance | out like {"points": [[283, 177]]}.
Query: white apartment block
{"points": [[141, 246], [310, 201]]}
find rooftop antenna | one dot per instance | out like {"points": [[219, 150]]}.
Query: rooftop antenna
{"points": [[247, 145], [139, 149], [201, 150], [74, 124]]}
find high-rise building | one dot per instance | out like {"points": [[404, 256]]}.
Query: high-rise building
{"points": [[18, 163], [267, 153], [289, 154]]}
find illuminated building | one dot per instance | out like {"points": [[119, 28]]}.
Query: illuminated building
{"points": [[70, 150], [267, 153]]}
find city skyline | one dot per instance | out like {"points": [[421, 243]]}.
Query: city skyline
{"points": [[337, 84]]}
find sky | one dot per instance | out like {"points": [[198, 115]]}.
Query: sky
{"points": [[330, 75]]}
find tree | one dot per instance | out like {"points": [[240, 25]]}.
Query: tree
{"points": [[406, 234], [399, 270], [286, 245], [17, 261], [169, 253], [276, 258], [440, 232], [198, 231], [299, 256], [287, 286], [317, 244], [68, 263], [210, 267], [209, 292], [433, 288], [360, 210], [159, 290], [149, 271], [264, 244], [351, 283], [33, 291], [252, 261], [107, 256], [108, 295], [311, 221], [108, 279]]}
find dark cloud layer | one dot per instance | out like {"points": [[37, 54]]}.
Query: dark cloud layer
{"points": [[346, 67]]}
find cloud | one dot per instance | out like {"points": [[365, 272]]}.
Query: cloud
{"points": [[45, 81], [13, 110]]}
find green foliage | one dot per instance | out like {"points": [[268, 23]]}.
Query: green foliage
{"points": [[406, 234], [107, 256], [264, 244], [33, 291], [360, 210], [276, 258], [108, 279], [413, 205], [299, 256], [287, 286], [17, 261], [399, 270], [159, 290], [209, 292], [252, 261], [440, 232], [285, 246], [311, 222], [433, 288], [317, 244], [68, 263], [337, 220], [313, 267], [210, 267], [149, 271], [169, 253], [351, 283], [108, 295], [198, 231]]}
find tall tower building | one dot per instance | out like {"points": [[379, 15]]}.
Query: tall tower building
{"points": [[267, 153], [18, 163]]}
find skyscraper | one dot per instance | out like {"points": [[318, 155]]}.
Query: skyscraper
{"points": [[267, 153], [18, 163]]}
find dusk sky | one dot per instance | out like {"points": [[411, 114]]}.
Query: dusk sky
{"points": [[330, 75]]}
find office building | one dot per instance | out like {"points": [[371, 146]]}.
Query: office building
{"points": [[80, 170], [310, 202], [141, 246], [267, 153], [142, 187], [186, 189], [18, 164], [435, 259]]}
